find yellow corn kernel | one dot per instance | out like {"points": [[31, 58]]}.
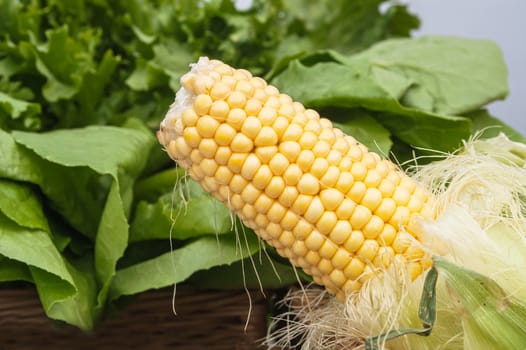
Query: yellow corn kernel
{"points": [[237, 184], [321, 149], [358, 171], [401, 195], [223, 154], [374, 227], [236, 201], [290, 149], [301, 204], [340, 232], [415, 269], [334, 157], [368, 250], [191, 136], [202, 104], [344, 182], [331, 177], [300, 249], [302, 230], [314, 241], [289, 221], [274, 230], [266, 153], [224, 134], [248, 211], [253, 107], [400, 216], [292, 133], [266, 137], [236, 99], [278, 164], [292, 174], [313, 125], [219, 110], [196, 157], [208, 166], [181, 148], [345, 209], [276, 212], [262, 177], [331, 198], [354, 269], [288, 196], [387, 235], [314, 211], [275, 187], [354, 242], [305, 160], [263, 204], [260, 94], [386, 209], [338, 278], [189, 117], [223, 175], [250, 166], [219, 91], [372, 198], [251, 127], [208, 148], [312, 258], [327, 250], [250, 194], [241, 144], [280, 125], [357, 191], [326, 222], [245, 87], [236, 161], [307, 140], [387, 187], [360, 216], [373, 178], [319, 167], [415, 204], [286, 239], [308, 184], [207, 126], [236, 117], [340, 259], [267, 115]]}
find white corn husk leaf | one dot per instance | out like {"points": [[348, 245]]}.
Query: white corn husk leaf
{"points": [[481, 193]]}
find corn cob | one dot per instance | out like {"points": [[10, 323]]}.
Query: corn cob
{"points": [[333, 208]]}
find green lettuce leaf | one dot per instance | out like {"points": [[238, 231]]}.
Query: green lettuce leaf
{"points": [[177, 266], [107, 151], [338, 85], [14, 112], [443, 74], [187, 213]]}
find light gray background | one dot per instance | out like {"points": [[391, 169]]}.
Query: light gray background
{"points": [[503, 21]]}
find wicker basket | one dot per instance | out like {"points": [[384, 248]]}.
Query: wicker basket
{"points": [[210, 320]]}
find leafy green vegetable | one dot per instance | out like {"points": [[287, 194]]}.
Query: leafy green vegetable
{"points": [[87, 197], [407, 85], [177, 266]]}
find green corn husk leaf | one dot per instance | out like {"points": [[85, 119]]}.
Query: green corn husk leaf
{"points": [[491, 318]]}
